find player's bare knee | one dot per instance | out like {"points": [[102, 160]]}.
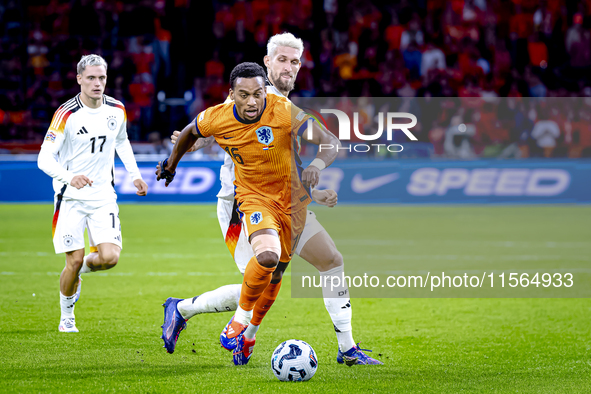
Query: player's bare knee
{"points": [[329, 261], [74, 260], [268, 259], [337, 259], [75, 264], [267, 249]]}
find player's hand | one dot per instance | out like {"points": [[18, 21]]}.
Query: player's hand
{"points": [[79, 181], [175, 136], [142, 187], [163, 173], [325, 197], [311, 176]]}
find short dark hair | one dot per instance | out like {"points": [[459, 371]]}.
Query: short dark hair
{"points": [[246, 70]]}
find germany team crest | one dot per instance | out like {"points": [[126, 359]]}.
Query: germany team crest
{"points": [[112, 123]]}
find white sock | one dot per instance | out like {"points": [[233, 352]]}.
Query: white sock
{"points": [[251, 331], [84, 269], [345, 340], [242, 316], [222, 299], [338, 305], [67, 306]]}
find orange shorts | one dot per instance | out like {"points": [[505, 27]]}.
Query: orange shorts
{"points": [[258, 215]]}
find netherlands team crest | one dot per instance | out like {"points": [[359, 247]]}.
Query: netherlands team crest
{"points": [[265, 135], [256, 218]]}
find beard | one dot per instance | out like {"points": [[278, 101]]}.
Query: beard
{"points": [[280, 84]]}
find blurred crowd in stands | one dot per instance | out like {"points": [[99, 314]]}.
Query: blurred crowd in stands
{"points": [[460, 127], [169, 59]]}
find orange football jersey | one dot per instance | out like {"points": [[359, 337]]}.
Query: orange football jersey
{"points": [[267, 166]]}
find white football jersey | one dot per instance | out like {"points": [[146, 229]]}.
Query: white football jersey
{"points": [[82, 141], [227, 176]]}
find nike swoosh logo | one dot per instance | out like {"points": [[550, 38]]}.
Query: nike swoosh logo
{"points": [[246, 283], [359, 185], [228, 138]]}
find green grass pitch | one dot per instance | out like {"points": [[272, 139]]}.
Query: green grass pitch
{"points": [[427, 345]]}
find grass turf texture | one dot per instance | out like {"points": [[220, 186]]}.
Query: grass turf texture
{"points": [[427, 345]]}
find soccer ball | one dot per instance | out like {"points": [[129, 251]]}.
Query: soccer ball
{"points": [[294, 360]]}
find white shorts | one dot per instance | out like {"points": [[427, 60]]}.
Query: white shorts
{"points": [[311, 228], [237, 240], [71, 217]]}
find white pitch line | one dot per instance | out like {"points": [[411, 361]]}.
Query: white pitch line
{"points": [[35, 254], [504, 244], [49, 273], [453, 257], [459, 272]]}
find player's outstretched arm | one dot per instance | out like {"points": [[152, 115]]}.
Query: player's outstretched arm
{"points": [[327, 153], [186, 139], [200, 144], [125, 152]]}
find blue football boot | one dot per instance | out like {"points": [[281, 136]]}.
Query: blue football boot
{"points": [[244, 349], [174, 323], [228, 343], [355, 356]]}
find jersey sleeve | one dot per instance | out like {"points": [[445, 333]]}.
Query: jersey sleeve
{"points": [[124, 150], [297, 117], [205, 120], [47, 161]]}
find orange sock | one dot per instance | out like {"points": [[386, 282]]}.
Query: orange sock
{"points": [[256, 279], [264, 303]]}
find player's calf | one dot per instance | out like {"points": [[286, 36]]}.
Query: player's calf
{"points": [[106, 258], [109, 261], [86, 268], [69, 276], [278, 273]]}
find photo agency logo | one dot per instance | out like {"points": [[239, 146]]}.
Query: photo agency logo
{"points": [[390, 122]]}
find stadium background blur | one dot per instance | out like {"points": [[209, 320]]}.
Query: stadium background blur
{"points": [[169, 59]]}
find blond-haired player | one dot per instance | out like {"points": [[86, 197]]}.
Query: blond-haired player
{"points": [[79, 153]]}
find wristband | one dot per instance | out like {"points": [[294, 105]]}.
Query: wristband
{"points": [[318, 163], [164, 173]]}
